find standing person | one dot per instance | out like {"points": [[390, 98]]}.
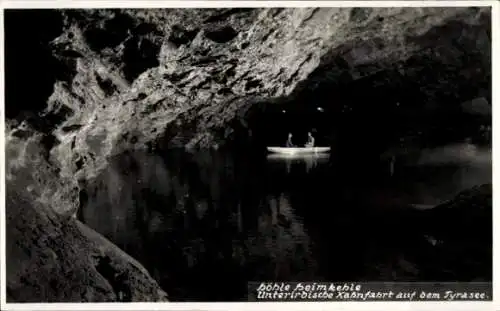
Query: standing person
{"points": [[310, 140], [289, 143]]}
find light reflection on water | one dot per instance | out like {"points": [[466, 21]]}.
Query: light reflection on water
{"points": [[203, 220], [311, 161], [191, 219]]}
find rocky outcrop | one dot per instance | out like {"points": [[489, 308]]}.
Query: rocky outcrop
{"points": [[30, 171], [51, 258]]}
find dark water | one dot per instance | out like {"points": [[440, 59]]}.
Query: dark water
{"points": [[200, 222]]}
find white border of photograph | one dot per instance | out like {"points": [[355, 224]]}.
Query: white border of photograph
{"points": [[288, 306]]}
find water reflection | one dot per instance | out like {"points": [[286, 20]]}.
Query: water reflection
{"points": [[201, 221], [311, 161], [431, 176], [196, 219]]}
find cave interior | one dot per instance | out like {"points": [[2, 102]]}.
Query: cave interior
{"points": [[357, 107], [414, 102]]}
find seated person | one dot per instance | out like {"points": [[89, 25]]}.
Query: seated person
{"points": [[310, 140], [289, 143]]}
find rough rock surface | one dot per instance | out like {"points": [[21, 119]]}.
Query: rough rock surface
{"points": [[51, 258], [146, 78], [125, 79]]}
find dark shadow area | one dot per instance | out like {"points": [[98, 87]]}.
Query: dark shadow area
{"points": [[199, 221], [139, 55], [30, 67], [180, 36], [113, 32], [222, 34]]}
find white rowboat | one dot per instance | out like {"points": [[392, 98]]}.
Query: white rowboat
{"points": [[299, 156], [298, 150]]}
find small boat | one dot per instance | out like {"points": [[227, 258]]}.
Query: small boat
{"points": [[299, 156], [298, 150]]}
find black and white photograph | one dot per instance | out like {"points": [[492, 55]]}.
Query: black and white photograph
{"points": [[178, 154]]}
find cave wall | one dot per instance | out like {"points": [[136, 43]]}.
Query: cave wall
{"points": [[198, 78]]}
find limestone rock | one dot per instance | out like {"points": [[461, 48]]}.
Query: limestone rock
{"points": [[51, 258]]}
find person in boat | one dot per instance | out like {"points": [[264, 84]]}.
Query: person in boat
{"points": [[310, 140], [289, 143]]}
